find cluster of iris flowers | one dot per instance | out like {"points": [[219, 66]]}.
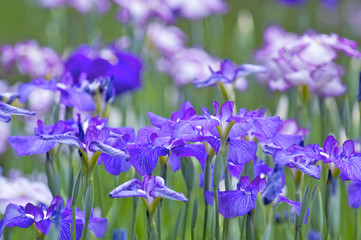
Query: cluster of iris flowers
{"points": [[247, 162]]}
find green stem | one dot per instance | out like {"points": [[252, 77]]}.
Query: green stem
{"points": [[185, 221], [151, 224], [206, 182], [356, 223], [73, 236], [99, 189], [216, 212]]}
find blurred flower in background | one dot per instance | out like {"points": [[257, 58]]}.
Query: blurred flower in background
{"points": [[19, 190], [82, 6], [139, 12], [31, 59], [304, 60]]}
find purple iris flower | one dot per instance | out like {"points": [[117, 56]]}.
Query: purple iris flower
{"points": [[153, 143], [344, 158], [230, 73], [43, 217], [151, 189], [300, 158], [92, 141], [7, 110], [254, 124], [241, 201], [33, 144], [71, 94], [123, 68], [216, 127]]}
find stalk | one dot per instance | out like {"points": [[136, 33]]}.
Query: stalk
{"points": [[207, 172], [185, 221], [216, 213], [356, 223]]}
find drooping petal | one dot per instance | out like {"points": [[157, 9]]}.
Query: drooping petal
{"points": [[236, 203], [99, 146], [98, 226], [144, 158], [36, 212], [160, 190], [29, 145], [44, 225], [354, 194], [14, 216], [77, 98], [241, 152], [114, 165], [174, 161], [7, 110], [192, 150], [274, 185], [350, 167], [294, 204], [309, 169], [131, 188], [68, 138]]}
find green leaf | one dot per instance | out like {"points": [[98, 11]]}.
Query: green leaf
{"points": [[304, 208], [178, 223], [194, 212], [259, 217], [88, 203], [188, 172], [76, 188], [218, 170], [316, 215]]}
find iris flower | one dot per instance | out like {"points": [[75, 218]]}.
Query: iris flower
{"points": [[43, 217], [151, 190]]}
